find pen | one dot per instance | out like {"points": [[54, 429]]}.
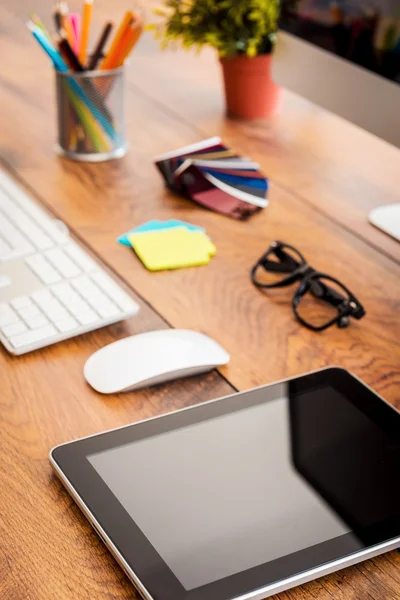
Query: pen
{"points": [[98, 51], [57, 16], [68, 54]]}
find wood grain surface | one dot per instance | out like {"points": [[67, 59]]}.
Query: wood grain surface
{"points": [[325, 175]]}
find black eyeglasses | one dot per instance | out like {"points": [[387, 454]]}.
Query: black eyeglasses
{"points": [[320, 301]]}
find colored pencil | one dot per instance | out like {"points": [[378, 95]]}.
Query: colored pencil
{"points": [[109, 59], [75, 20], [128, 43], [86, 20], [61, 66], [87, 123], [73, 62], [99, 49], [38, 21], [91, 125], [66, 23]]}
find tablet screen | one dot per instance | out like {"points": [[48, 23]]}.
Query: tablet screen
{"points": [[221, 496]]}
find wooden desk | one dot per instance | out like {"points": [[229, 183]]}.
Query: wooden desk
{"points": [[325, 174]]}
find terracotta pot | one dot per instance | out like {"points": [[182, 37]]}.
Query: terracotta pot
{"points": [[250, 92]]}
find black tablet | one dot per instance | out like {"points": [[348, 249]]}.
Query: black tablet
{"points": [[248, 495]]}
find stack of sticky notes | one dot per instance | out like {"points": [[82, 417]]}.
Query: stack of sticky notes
{"points": [[215, 177], [172, 244]]}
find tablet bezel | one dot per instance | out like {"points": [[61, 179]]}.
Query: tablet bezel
{"points": [[151, 572]]}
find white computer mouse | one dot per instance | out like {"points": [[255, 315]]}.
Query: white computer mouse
{"points": [[149, 358]]}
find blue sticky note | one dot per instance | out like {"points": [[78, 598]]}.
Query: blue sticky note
{"points": [[177, 223], [155, 225]]}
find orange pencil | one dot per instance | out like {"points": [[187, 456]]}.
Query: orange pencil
{"points": [[66, 24], [109, 60], [86, 19], [128, 43], [121, 46]]}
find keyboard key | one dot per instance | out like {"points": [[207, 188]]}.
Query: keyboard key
{"points": [[16, 253], [36, 322], [51, 307], [7, 315], [30, 210], [21, 302], [14, 244], [104, 282], [85, 286], [116, 294], [124, 301], [5, 224], [88, 317], [62, 263], [42, 297], [56, 313], [49, 276], [33, 336], [80, 257], [38, 238], [108, 310], [4, 281], [29, 311], [15, 239], [98, 301], [43, 269], [75, 308], [63, 291], [66, 325], [4, 247], [14, 329], [70, 299]]}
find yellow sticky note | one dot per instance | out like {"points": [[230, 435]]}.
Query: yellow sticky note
{"points": [[169, 249], [205, 241]]}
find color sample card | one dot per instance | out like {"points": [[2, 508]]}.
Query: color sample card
{"points": [[216, 177]]}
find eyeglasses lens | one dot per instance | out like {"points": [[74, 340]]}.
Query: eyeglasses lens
{"points": [[322, 302], [278, 265]]}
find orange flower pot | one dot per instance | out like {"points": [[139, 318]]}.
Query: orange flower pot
{"points": [[250, 92]]}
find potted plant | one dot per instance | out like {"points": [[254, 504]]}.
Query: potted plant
{"points": [[243, 32]]}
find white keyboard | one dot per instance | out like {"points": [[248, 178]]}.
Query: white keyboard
{"points": [[50, 288]]}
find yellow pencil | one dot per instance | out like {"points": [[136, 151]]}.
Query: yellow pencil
{"points": [[86, 20], [108, 61]]}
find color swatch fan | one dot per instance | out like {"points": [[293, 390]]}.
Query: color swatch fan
{"points": [[215, 177]]}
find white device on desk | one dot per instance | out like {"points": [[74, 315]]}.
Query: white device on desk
{"points": [[387, 218], [247, 496], [50, 288], [150, 358]]}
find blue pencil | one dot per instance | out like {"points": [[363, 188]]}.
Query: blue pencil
{"points": [[60, 65]]}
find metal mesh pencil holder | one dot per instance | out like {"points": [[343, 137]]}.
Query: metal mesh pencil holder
{"points": [[90, 113]]}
